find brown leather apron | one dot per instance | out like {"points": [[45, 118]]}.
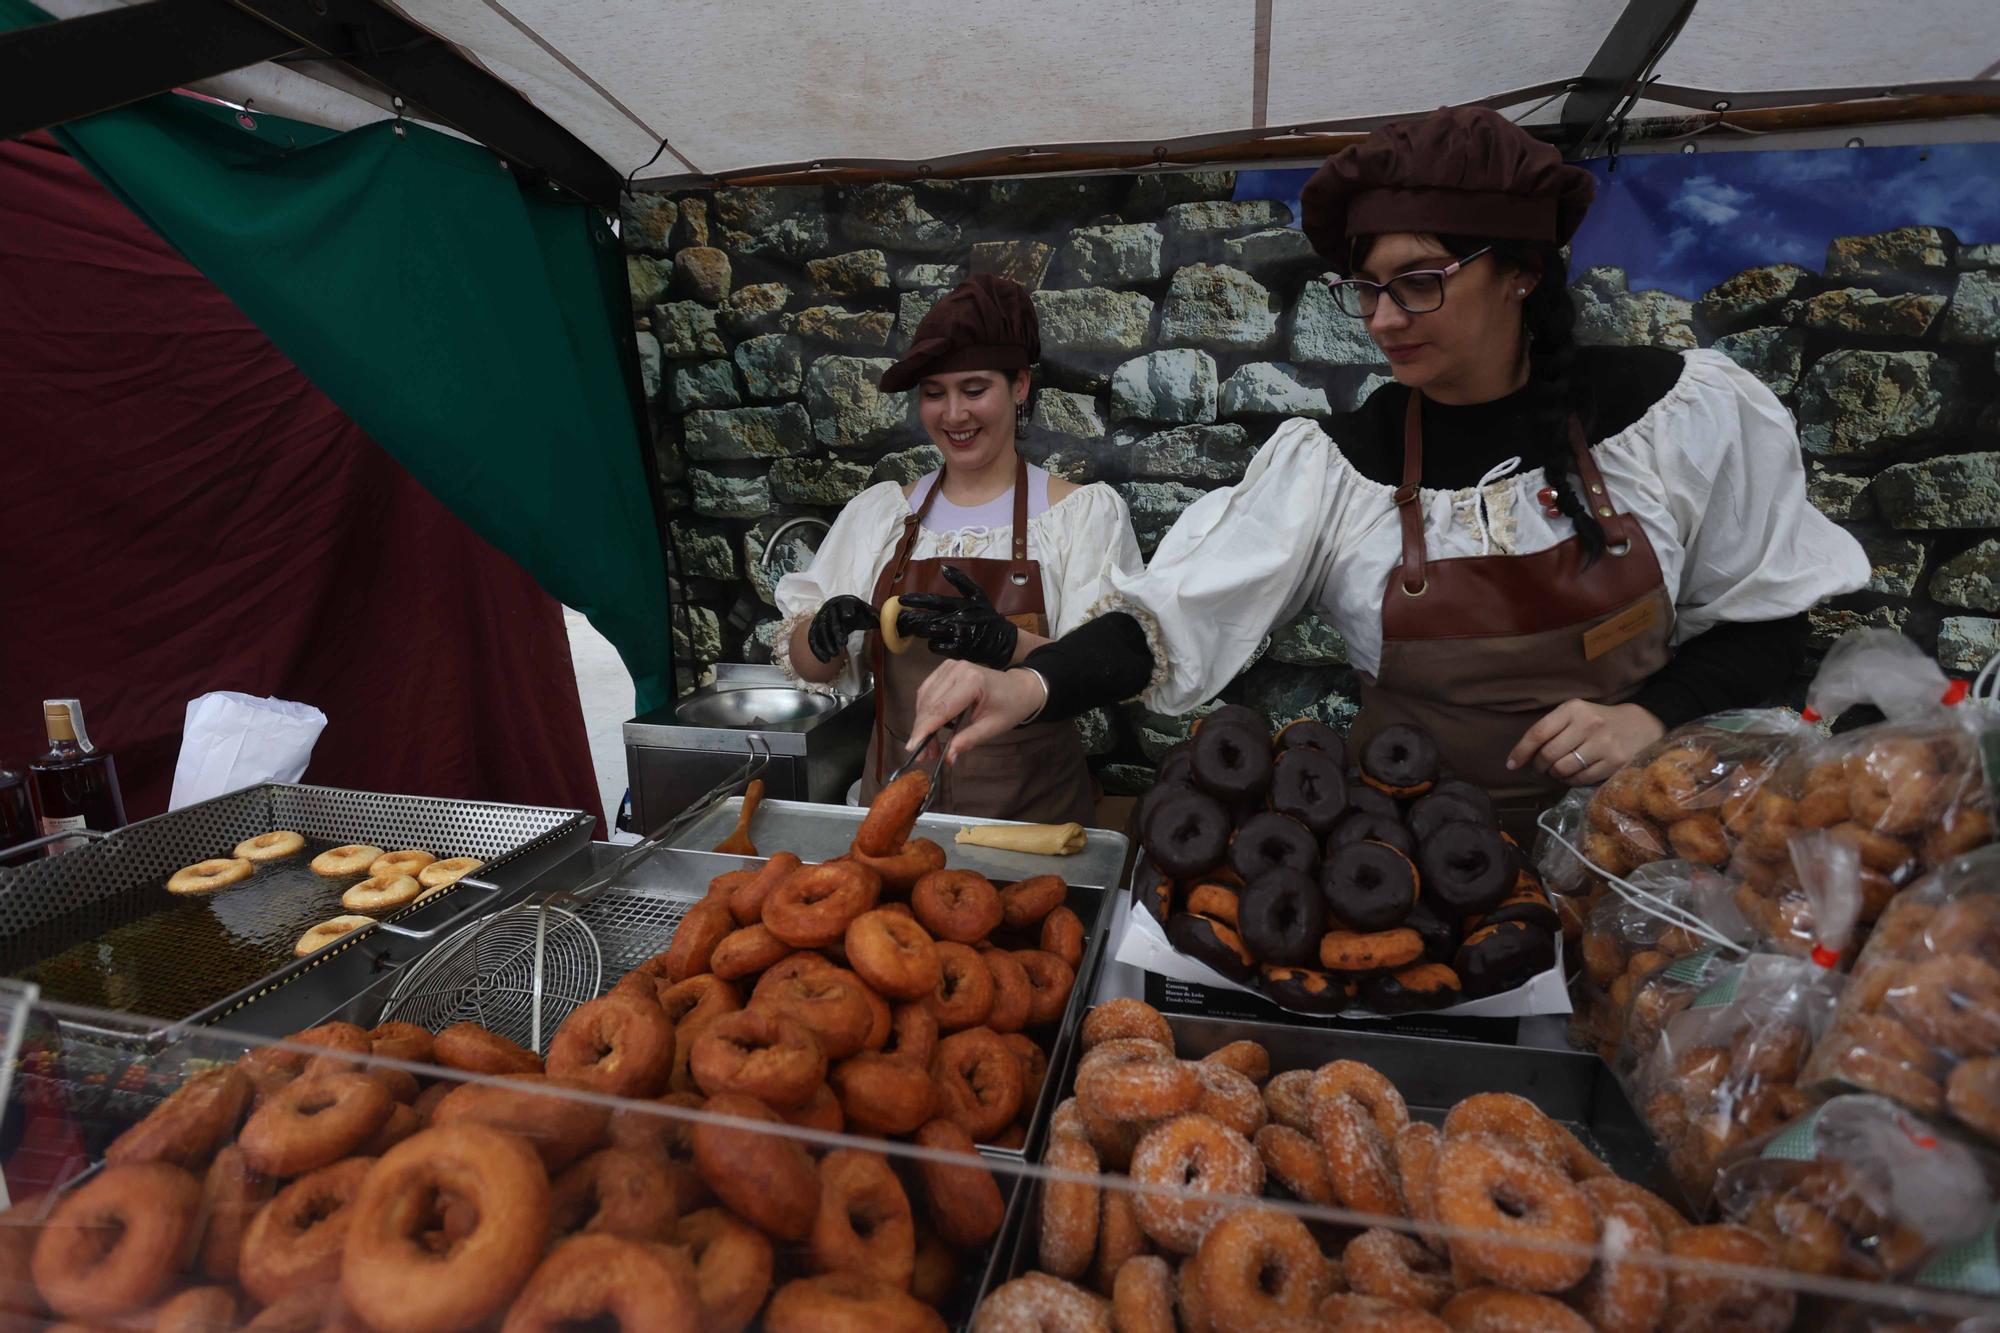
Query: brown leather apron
{"points": [[1475, 649], [1038, 772]]}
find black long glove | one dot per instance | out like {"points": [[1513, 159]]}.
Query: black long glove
{"points": [[838, 617], [965, 627]]}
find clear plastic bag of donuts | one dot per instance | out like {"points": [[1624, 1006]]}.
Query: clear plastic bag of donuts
{"points": [[1660, 997], [1920, 1021], [1908, 793], [1627, 940], [1726, 1069], [1858, 1187]]}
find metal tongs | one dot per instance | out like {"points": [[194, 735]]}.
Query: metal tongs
{"points": [[916, 760]]}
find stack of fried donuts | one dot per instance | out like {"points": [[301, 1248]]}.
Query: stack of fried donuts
{"points": [[1497, 1212], [1919, 1021], [1384, 885], [1623, 945]]}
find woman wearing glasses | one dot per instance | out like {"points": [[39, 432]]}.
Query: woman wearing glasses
{"points": [[1543, 553]]}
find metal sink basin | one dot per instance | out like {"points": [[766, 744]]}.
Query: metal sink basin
{"points": [[760, 709]]}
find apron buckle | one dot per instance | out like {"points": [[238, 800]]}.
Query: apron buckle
{"points": [[1407, 493]]}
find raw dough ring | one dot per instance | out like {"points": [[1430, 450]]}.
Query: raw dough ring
{"points": [[272, 846], [208, 876], [892, 638]]}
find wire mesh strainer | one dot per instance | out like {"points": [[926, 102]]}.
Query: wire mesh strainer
{"points": [[520, 972]]}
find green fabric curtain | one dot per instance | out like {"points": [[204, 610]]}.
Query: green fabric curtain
{"points": [[477, 329]]}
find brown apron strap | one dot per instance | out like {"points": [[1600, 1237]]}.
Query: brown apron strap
{"points": [[1409, 506], [1020, 507]]}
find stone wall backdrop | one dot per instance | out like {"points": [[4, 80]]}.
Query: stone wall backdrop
{"points": [[1179, 326]]}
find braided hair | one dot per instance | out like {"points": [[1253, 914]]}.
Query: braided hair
{"points": [[1548, 317]]}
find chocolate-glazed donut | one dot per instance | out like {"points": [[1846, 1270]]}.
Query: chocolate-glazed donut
{"points": [[1269, 840], [1500, 957], [1470, 792], [1400, 760], [1412, 989], [1360, 825], [1232, 763], [1362, 797], [1177, 765], [1307, 785], [1440, 936], [1212, 942], [1428, 812], [1155, 794], [1311, 734], [1467, 867], [1186, 833], [1281, 917], [1306, 989], [1369, 886], [1236, 715]]}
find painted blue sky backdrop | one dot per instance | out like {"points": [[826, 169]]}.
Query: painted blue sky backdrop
{"points": [[1685, 222]]}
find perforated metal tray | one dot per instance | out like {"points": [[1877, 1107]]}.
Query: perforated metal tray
{"points": [[96, 924]]}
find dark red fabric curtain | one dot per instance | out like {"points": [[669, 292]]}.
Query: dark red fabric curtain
{"points": [[182, 511]]}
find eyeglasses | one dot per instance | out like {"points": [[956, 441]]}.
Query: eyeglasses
{"points": [[1419, 291]]}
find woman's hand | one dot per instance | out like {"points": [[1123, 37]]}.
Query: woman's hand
{"points": [[991, 702], [1584, 743]]}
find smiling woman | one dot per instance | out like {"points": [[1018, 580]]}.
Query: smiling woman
{"points": [[983, 560]]}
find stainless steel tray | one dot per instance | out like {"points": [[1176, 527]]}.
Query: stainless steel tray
{"points": [[820, 832], [96, 925], [1432, 1074]]}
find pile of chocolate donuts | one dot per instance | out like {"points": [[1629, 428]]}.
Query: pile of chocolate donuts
{"points": [[1383, 884], [1504, 1219]]}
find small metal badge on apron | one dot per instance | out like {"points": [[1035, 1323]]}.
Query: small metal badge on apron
{"points": [[1038, 772], [1475, 649]]}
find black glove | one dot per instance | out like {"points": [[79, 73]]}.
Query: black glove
{"points": [[963, 627], [838, 617]]}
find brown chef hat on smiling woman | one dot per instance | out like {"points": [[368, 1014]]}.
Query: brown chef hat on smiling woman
{"points": [[984, 323], [1462, 170]]}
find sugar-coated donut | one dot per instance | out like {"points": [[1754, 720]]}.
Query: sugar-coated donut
{"points": [[1120, 1018], [208, 876], [272, 846], [1192, 1155], [1359, 1162], [1260, 1264], [353, 859], [1397, 1267], [1485, 1186]]}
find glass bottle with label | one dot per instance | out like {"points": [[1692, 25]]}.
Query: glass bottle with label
{"points": [[75, 784]]}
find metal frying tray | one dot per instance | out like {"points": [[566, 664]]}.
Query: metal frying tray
{"points": [[96, 925]]}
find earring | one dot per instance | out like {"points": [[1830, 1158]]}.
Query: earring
{"points": [[1520, 291], [1021, 416]]}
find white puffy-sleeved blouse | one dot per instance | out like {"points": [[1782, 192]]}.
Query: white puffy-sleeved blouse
{"points": [[1711, 471], [1083, 542]]}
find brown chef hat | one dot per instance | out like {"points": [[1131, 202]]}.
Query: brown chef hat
{"points": [[1465, 170], [985, 323]]}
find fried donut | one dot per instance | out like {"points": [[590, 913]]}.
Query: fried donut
{"points": [[231, 1194], [1501, 1310], [115, 1243], [1120, 1238], [759, 1054], [964, 1202], [1142, 1296], [403, 1121], [442, 874], [1039, 1303], [618, 1192], [767, 1179], [353, 859], [821, 1112], [1288, 1097], [1062, 935], [208, 876], [1186, 832], [1026, 902], [696, 938], [1207, 898], [813, 906], [1050, 981], [196, 1310], [1125, 1018], [1308, 785], [1368, 886], [746, 952], [1281, 917], [1606, 1191], [1354, 951], [1034, 1065], [273, 846], [411, 862], [1400, 761], [559, 1129], [893, 954], [1358, 1162], [957, 905], [296, 1239], [1229, 1097], [826, 1004], [1398, 1268], [1259, 1264], [979, 1082], [883, 1094], [1070, 1209], [1268, 841], [965, 989], [1367, 1087], [313, 1121], [1247, 1058], [1484, 1185], [1699, 838], [1466, 867], [746, 900], [1627, 1290], [1415, 1152], [402, 1041], [692, 1005], [330, 931], [1972, 1093], [1198, 1155], [864, 1223], [1700, 1298], [1953, 1003], [901, 869], [892, 814], [1012, 995], [1512, 1119], [618, 1046], [608, 1281], [472, 1048], [1306, 990], [913, 1033], [187, 1127], [1142, 1089], [733, 1263], [1894, 785], [1294, 1161], [847, 1303]]}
